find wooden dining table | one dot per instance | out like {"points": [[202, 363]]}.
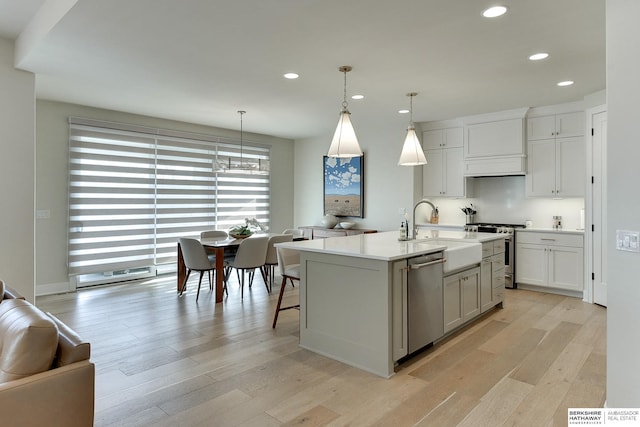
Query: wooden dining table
{"points": [[216, 246]]}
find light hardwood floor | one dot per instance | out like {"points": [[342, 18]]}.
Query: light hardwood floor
{"points": [[162, 360]]}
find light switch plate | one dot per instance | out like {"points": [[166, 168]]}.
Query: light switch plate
{"points": [[628, 240]]}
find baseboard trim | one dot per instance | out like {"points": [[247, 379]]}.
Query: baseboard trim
{"points": [[548, 290], [54, 288]]}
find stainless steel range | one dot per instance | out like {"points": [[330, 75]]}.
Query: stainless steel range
{"points": [[509, 239]]}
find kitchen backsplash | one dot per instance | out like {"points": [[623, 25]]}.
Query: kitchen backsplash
{"points": [[502, 200]]}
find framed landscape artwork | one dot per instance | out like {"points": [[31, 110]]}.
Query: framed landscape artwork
{"points": [[343, 186]]}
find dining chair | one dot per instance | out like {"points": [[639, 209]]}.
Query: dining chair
{"points": [[271, 260], [217, 235], [251, 254], [289, 268], [214, 234], [195, 259], [295, 232]]}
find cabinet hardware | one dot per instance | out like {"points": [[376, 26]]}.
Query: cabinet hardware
{"points": [[425, 264], [551, 240]]}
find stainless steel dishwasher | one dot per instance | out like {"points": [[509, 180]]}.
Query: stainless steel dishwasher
{"points": [[424, 300]]}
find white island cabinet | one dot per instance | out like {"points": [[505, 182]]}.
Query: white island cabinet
{"points": [[353, 295], [461, 293]]}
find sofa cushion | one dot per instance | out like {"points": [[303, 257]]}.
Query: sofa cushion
{"points": [[28, 340], [71, 348]]}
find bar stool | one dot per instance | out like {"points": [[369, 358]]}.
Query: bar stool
{"points": [[289, 268], [272, 259]]}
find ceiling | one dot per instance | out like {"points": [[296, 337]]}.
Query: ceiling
{"points": [[200, 61]]}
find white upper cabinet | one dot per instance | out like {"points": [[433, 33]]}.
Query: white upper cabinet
{"points": [[555, 126], [442, 138], [556, 168], [556, 156], [442, 175]]}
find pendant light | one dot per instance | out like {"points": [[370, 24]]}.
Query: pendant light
{"points": [[242, 164], [345, 142], [412, 153], [246, 166]]}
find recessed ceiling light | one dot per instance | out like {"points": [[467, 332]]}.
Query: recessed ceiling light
{"points": [[539, 56], [494, 12], [566, 83], [403, 111], [291, 76], [357, 97]]}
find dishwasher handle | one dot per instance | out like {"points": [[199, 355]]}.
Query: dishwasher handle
{"points": [[425, 264]]}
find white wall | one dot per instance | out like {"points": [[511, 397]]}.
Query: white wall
{"points": [[623, 174], [17, 147], [387, 186], [502, 199], [51, 190]]}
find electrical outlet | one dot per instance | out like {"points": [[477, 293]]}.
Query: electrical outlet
{"points": [[628, 241], [43, 214]]}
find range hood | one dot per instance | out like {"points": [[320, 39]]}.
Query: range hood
{"points": [[495, 144]]}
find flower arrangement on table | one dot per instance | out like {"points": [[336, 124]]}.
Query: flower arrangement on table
{"points": [[246, 230]]}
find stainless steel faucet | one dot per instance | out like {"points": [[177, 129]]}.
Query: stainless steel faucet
{"points": [[415, 226]]}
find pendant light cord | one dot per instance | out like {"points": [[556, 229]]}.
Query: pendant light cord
{"points": [[411, 95], [345, 69], [241, 114], [411, 110], [344, 96]]}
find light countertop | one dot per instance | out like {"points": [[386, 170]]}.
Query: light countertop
{"points": [[550, 230], [385, 246], [468, 236], [440, 226]]}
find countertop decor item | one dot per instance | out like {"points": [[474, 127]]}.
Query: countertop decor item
{"points": [[240, 233], [329, 221], [470, 213], [469, 210], [246, 230], [346, 225]]}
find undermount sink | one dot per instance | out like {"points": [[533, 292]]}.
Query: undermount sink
{"points": [[458, 255]]}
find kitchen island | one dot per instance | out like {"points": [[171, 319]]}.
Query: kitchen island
{"points": [[353, 295]]}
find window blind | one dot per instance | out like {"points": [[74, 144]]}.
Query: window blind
{"points": [[134, 190]]}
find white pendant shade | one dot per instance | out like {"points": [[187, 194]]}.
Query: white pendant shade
{"points": [[345, 142], [412, 153]]}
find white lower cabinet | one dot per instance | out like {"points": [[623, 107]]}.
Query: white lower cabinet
{"points": [[461, 298], [553, 260]]}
